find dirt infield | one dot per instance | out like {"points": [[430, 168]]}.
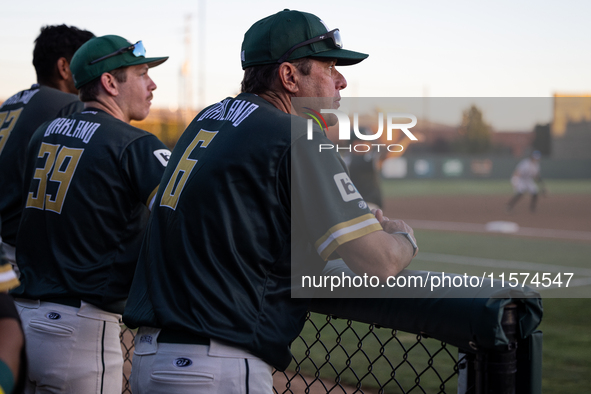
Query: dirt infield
{"points": [[560, 212]]}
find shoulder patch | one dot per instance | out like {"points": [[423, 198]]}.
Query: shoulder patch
{"points": [[346, 187], [163, 155]]}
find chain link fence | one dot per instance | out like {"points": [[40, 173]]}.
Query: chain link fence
{"points": [[343, 356]]}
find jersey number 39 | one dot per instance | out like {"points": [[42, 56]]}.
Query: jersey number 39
{"points": [[59, 166]]}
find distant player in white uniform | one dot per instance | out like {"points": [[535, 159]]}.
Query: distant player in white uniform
{"points": [[525, 179]]}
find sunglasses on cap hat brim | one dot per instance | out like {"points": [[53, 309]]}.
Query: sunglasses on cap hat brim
{"points": [[333, 35], [137, 50]]}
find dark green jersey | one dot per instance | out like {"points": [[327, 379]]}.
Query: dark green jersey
{"points": [[216, 258], [20, 116], [90, 178]]}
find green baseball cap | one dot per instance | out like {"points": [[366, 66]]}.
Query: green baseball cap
{"points": [[290, 35], [103, 54]]}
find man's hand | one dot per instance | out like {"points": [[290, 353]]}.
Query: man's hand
{"points": [[379, 253], [391, 226], [394, 225]]}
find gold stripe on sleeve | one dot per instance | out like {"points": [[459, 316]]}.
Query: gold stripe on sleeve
{"points": [[8, 279], [345, 232]]}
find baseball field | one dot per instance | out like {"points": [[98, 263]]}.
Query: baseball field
{"points": [[462, 226], [558, 233]]}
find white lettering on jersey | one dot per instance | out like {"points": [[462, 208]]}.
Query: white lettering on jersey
{"points": [[84, 130], [346, 187], [238, 111], [21, 97], [163, 155]]}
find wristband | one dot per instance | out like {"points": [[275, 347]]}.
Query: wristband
{"points": [[412, 241]]}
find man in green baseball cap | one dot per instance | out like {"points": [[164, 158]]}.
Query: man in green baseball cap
{"points": [[103, 60], [288, 41], [245, 198], [290, 35], [90, 183], [107, 53]]}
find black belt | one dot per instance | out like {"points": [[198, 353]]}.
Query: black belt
{"points": [[67, 301], [114, 307], [173, 336]]}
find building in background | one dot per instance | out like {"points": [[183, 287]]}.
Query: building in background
{"points": [[571, 126]]}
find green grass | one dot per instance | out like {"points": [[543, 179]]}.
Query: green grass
{"points": [[567, 346], [380, 357], [465, 187], [566, 323], [515, 249], [501, 247]]}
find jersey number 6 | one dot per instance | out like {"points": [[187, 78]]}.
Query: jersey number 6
{"points": [[181, 173]]}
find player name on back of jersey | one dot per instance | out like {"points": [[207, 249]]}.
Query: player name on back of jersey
{"points": [[238, 111], [21, 97], [72, 128]]}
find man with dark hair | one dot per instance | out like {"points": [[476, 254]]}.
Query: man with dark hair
{"points": [[52, 55], [90, 182], [244, 198], [53, 95]]}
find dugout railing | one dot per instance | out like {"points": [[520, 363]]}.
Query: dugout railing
{"points": [[465, 341]]}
